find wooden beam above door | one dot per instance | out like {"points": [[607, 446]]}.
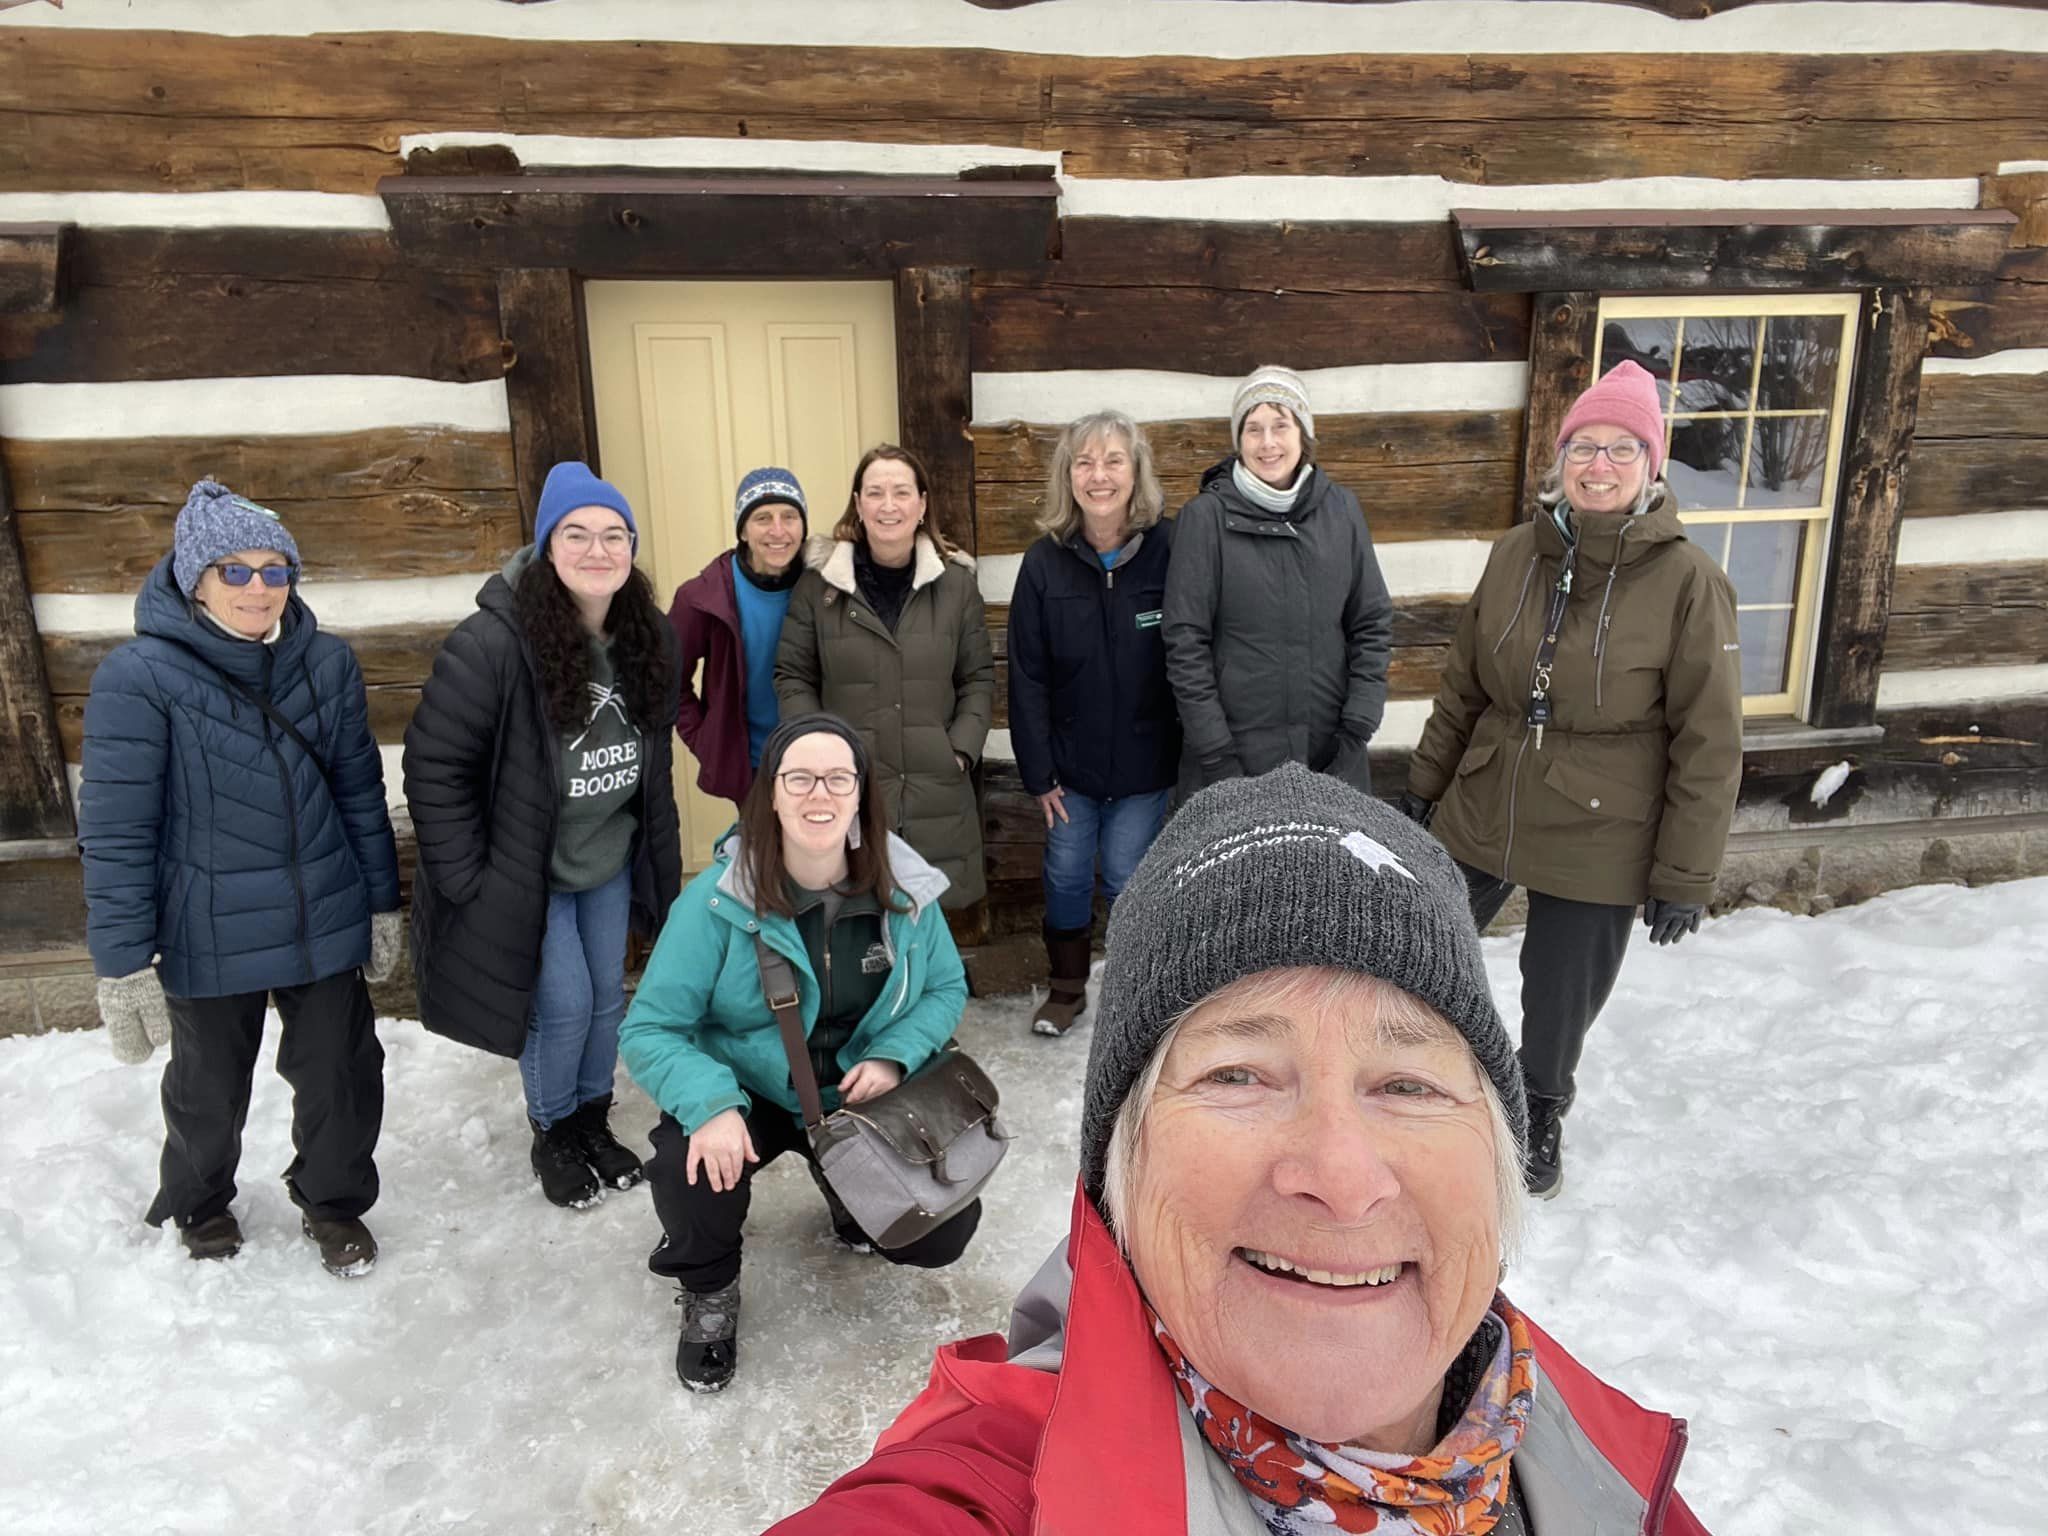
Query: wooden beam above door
{"points": [[676, 226]]}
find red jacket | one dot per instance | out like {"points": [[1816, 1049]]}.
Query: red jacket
{"points": [[713, 724], [1097, 1441]]}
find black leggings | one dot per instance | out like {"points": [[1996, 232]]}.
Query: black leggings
{"points": [[701, 1227], [1571, 953]]}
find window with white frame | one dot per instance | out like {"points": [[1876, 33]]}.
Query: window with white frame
{"points": [[1755, 390]]}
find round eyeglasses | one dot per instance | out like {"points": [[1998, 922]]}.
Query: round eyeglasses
{"points": [[236, 574], [801, 781], [1627, 451]]}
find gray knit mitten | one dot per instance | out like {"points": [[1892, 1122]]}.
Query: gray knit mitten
{"points": [[386, 934], [133, 1007]]}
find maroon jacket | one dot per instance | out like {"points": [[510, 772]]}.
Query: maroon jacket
{"points": [[713, 721]]}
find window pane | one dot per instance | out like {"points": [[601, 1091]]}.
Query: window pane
{"points": [[1649, 343], [1764, 635], [1801, 354], [1715, 365], [1705, 467], [1763, 561], [1788, 460]]}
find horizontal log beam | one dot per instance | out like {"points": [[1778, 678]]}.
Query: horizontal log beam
{"points": [[1994, 317], [32, 259], [1990, 614], [1632, 251], [89, 110], [402, 501], [1362, 257], [651, 225], [390, 655], [1983, 405], [1417, 474], [1200, 330], [1949, 476], [178, 304]]}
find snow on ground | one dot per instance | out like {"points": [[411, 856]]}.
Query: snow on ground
{"points": [[1804, 1208]]}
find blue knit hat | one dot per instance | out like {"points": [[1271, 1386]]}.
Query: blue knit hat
{"points": [[570, 485], [769, 483], [215, 522]]}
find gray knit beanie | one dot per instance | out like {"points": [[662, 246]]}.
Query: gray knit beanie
{"points": [[1292, 868], [1271, 385], [216, 522]]}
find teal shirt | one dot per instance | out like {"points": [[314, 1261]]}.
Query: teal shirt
{"points": [[700, 1039]]}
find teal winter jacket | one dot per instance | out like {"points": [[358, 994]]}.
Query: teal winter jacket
{"points": [[700, 1039]]}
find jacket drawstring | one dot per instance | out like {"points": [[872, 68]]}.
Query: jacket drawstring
{"points": [[1600, 629], [1509, 628]]}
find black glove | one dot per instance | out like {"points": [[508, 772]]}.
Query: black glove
{"points": [[1414, 807], [1670, 921], [1225, 765], [1350, 764]]}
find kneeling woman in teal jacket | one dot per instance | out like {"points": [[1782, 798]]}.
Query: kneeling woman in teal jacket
{"points": [[813, 871]]}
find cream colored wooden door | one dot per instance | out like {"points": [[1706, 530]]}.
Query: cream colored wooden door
{"points": [[697, 383]]}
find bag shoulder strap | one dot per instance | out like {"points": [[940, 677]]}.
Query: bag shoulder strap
{"points": [[275, 714], [779, 987]]}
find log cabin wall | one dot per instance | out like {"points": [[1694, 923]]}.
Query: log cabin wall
{"points": [[228, 296]]}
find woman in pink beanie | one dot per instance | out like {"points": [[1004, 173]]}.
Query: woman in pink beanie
{"points": [[1586, 741]]}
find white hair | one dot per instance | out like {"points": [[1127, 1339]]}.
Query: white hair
{"points": [[1550, 489], [1399, 1018]]}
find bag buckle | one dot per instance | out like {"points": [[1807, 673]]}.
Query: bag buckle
{"points": [[791, 1001]]}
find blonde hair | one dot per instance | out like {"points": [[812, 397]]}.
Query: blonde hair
{"points": [[1062, 513], [1399, 1018], [848, 529]]}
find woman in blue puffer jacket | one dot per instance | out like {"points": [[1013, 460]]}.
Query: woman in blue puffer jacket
{"points": [[238, 849]]}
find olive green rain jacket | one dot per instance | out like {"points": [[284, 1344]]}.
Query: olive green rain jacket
{"points": [[1631, 791]]}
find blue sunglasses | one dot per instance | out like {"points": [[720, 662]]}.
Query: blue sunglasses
{"points": [[236, 574]]}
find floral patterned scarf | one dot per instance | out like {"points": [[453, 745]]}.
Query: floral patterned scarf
{"points": [[1303, 1486]]}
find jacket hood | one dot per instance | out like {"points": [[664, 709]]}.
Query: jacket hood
{"points": [[165, 613], [1611, 538], [918, 879], [496, 592], [833, 560]]}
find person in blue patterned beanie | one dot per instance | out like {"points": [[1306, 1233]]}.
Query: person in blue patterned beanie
{"points": [[215, 523]]}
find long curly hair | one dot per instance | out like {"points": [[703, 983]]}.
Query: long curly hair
{"points": [[561, 647]]}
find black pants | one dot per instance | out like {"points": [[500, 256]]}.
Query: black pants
{"points": [[330, 1055], [700, 1243], [1571, 953]]}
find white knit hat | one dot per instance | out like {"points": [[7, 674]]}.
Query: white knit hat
{"points": [[1271, 385]]}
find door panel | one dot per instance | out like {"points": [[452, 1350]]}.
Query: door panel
{"points": [[698, 382]]}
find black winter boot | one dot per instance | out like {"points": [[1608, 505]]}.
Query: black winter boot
{"points": [[1066, 956], [217, 1237], [1543, 1173], [558, 1162], [709, 1348], [613, 1163], [347, 1249]]}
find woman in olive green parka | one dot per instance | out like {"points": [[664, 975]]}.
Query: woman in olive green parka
{"points": [[886, 630], [1606, 778]]}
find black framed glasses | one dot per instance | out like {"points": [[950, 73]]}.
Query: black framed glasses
{"points": [[236, 574], [1627, 451], [840, 782]]}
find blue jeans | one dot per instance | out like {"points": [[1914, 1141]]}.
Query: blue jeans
{"points": [[1116, 831], [572, 1038]]}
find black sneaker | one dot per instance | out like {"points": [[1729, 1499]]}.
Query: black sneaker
{"points": [[558, 1162], [1543, 1172], [612, 1162], [217, 1237], [346, 1247], [709, 1348]]}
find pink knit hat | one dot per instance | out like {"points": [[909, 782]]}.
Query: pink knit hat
{"points": [[1625, 397]]}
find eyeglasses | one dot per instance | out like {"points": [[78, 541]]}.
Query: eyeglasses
{"points": [[613, 541], [1627, 451], [236, 574], [801, 781]]}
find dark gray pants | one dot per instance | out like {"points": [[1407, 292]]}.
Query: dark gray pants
{"points": [[701, 1227], [1571, 953], [329, 1053]]}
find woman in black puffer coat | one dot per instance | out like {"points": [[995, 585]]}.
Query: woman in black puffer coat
{"points": [[538, 767]]}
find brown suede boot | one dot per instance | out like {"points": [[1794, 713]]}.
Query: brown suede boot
{"points": [[1066, 954]]}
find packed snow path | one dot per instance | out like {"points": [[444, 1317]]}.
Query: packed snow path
{"points": [[1804, 1208]]}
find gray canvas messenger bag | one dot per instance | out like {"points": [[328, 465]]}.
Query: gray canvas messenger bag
{"points": [[906, 1161]]}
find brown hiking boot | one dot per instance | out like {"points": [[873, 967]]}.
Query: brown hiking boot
{"points": [[217, 1237], [1066, 954], [346, 1247]]}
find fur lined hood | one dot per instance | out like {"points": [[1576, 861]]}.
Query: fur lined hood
{"points": [[833, 560]]}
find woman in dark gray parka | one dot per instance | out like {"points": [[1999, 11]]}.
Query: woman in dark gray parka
{"points": [[1278, 623]]}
